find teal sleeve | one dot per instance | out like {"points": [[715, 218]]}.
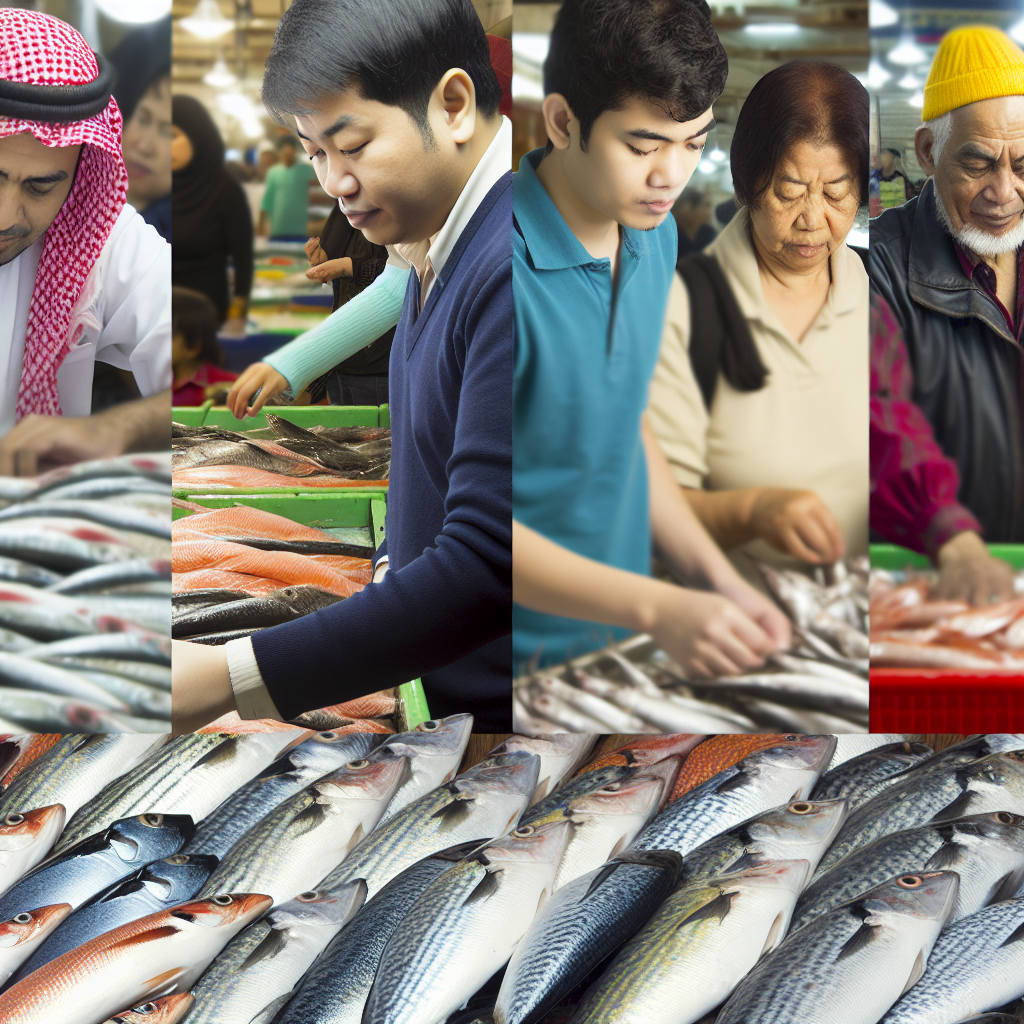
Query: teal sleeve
{"points": [[360, 322], [267, 202]]}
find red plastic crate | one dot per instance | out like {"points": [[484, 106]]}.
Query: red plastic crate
{"points": [[931, 701]]}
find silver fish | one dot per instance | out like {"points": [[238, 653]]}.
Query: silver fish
{"points": [[102, 577], [47, 712], [114, 515], [137, 646], [560, 756], [19, 671], [866, 775]]}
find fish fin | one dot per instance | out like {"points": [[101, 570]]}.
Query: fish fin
{"points": [[718, 907], [859, 940], [1015, 936], [915, 973], [948, 855], [599, 879], [453, 814], [959, 807], [485, 888], [269, 1012], [148, 936], [775, 934], [617, 848], [272, 944], [1007, 887], [737, 781], [222, 752], [163, 984]]}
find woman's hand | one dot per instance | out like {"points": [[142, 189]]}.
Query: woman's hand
{"points": [[797, 523], [261, 377], [314, 253], [329, 270], [967, 572]]}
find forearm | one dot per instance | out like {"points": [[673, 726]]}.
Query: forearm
{"points": [[726, 515], [144, 425]]}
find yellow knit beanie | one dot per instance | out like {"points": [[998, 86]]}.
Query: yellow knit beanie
{"points": [[972, 63]]}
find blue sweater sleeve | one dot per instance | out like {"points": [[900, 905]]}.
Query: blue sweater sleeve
{"points": [[455, 596]]}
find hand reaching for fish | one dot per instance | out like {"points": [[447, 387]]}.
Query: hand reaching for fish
{"points": [[260, 377], [330, 269], [797, 523], [967, 572]]}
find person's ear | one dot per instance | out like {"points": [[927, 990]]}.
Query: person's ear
{"points": [[456, 95], [924, 147], [558, 116]]}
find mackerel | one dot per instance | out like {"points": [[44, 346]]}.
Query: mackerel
{"points": [[866, 775], [583, 784]]}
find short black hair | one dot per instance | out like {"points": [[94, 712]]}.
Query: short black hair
{"points": [[392, 51], [802, 101], [194, 317], [604, 52]]}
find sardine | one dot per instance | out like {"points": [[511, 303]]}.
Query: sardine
{"points": [[102, 577], [114, 515], [47, 712], [136, 646], [27, 673], [15, 570]]}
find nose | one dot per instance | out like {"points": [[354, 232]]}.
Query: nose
{"points": [[340, 183], [812, 212], [670, 169], [12, 219], [1002, 186]]}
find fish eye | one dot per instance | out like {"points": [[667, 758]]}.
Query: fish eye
{"points": [[308, 897], [430, 725], [357, 765], [1004, 817], [147, 1009], [327, 735], [612, 787], [792, 737], [23, 918], [14, 819], [223, 899], [524, 832], [152, 820], [802, 807], [910, 882], [179, 858]]}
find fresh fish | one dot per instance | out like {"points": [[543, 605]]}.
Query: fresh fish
{"points": [[597, 707], [103, 488], [935, 791], [465, 926], [150, 466], [136, 646], [18, 643], [67, 544], [852, 746], [985, 850], [577, 928], [115, 515], [308, 835], [485, 801], [802, 830], [117, 574], [604, 823], [97, 862], [75, 770], [292, 772], [21, 936], [865, 776], [762, 780], [559, 755], [168, 1010], [696, 948], [644, 750], [192, 774], [558, 712], [163, 883], [251, 612], [148, 958], [15, 570], [27, 673], [806, 691], [717, 753], [25, 839], [48, 712], [138, 671], [20, 751], [48, 616], [977, 965], [335, 989], [267, 960], [852, 963]]}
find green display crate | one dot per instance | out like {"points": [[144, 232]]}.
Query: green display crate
{"points": [[303, 415], [893, 557], [190, 415]]}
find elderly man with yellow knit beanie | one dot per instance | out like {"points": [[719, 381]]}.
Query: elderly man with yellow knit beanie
{"points": [[947, 270]]}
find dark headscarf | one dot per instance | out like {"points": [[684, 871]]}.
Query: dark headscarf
{"points": [[141, 58], [196, 186]]}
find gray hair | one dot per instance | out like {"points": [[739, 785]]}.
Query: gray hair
{"points": [[940, 128]]}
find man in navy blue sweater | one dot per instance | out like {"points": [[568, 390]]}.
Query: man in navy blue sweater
{"points": [[396, 105]]}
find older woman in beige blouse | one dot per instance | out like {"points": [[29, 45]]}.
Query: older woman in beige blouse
{"points": [[780, 470]]}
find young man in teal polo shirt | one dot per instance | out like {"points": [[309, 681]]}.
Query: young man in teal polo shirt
{"points": [[594, 250]]}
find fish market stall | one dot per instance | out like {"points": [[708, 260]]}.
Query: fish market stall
{"points": [[819, 686], [85, 588], [510, 879], [943, 664]]}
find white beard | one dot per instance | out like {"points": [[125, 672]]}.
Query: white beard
{"points": [[982, 243]]}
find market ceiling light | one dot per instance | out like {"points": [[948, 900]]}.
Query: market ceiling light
{"points": [[1017, 31], [909, 81], [220, 76], [717, 155], [917, 100], [706, 167], [877, 76], [772, 28], [881, 15], [134, 12], [206, 21], [907, 52]]}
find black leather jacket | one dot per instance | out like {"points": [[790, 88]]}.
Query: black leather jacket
{"points": [[966, 362]]}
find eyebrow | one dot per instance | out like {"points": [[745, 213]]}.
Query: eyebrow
{"points": [[645, 133], [797, 181], [41, 179], [345, 121], [970, 149]]}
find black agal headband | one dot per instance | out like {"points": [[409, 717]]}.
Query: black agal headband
{"points": [[60, 104]]}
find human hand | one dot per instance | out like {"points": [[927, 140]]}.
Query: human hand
{"points": [[797, 523], [200, 686], [707, 634], [261, 377], [331, 269], [314, 253], [38, 443], [967, 572], [762, 610]]}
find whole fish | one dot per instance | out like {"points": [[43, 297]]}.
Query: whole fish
{"points": [[335, 989], [15, 570], [696, 948], [139, 699], [985, 850], [260, 967], [606, 822], [47, 616], [312, 759], [577, 928], [934, 791], [852, 963], [852, 746], [805, 691], [191, 775], [148, 465], [102, 577], [560, 755], [464, 927], [977, 965], [161, 884], [75, 770], [103, 488], [761, 780], [168, 1010], [253, 612], [65, 545], [580, 785], [97, 862], [25, 839], [866, 775], [18, 671], [802, 830], [21, 936], [974, 747], [717, 753], [157, 676], [48, 712], [151, 957], [137, 646], [115, 515], [308, 835], [485, 801]]}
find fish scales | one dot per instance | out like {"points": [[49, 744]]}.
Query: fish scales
{"points": [[865, 776], [717, 753], [19, 937]]}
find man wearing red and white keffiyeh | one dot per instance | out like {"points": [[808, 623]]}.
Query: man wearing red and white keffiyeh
{"points": [[82, 276]]}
